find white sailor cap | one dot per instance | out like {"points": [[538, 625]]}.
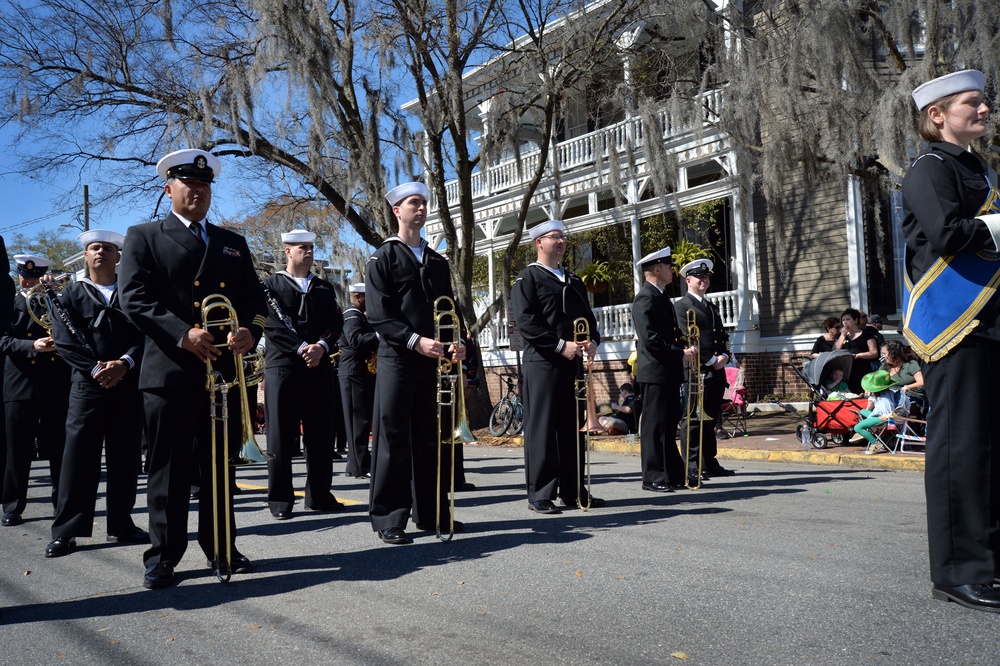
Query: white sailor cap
{"points": [[189, 163], [102, 236], [545, 227], [400, 192], [698, 267], [357, 288], [31, 265], [658, 257], [296, 236], [949, 84]]}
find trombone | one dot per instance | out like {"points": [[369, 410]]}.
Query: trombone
{"points": [[581, 336], [218, 389], [450, 396], [695, 399]]}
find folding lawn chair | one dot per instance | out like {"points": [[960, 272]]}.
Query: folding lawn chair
{"points": [[910, 433], [733, 417]]}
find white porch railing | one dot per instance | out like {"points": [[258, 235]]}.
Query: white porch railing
{"points": [[614, 322], [577, 152]]}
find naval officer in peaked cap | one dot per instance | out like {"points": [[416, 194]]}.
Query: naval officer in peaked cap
{"points": [[660, 372], [36, 394], [168, 268], [714, 355]]}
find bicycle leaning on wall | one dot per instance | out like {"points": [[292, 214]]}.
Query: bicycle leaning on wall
{"points": [[507, 417]]}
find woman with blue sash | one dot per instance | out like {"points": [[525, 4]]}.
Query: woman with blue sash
{"points": [[952, 322]]}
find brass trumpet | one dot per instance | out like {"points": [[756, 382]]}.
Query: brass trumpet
{"points": [[695, 398], [218, 389], [450, 396], [581, 336]]}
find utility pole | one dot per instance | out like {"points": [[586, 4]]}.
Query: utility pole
{"points": [[86, 208]]}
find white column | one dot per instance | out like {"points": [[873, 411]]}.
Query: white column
{"points": [[856, 245]]}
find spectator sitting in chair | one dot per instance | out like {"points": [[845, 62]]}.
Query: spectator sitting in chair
{"points": [[881, 404], [623, 420]]}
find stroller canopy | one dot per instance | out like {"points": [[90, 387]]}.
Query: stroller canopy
{"points": [[824, 364]]}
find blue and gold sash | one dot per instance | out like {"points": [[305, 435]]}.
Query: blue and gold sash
{"points": [[940, 310]]}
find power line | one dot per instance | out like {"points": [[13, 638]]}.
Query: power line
{"points": [[22, 225]]}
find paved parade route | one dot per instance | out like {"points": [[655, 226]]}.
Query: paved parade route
{"points": [[782, 564]]}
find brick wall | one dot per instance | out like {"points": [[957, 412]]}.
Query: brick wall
{"points": [[768, 373]]}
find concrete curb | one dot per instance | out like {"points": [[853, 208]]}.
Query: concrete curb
{"points": [[810, 457]]}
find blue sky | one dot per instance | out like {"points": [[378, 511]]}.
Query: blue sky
{"points": [[34, 206]]}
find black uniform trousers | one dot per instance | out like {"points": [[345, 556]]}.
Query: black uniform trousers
{"points": [[176, 418], [294, 396], [404, 461], [553, 444], [703, 431], [334, 405], [661, 412], [108, 419], [357, 393], [26, 419], [962, 476]]}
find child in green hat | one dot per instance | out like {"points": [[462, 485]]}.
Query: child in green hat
{"points": [[881, 404]]}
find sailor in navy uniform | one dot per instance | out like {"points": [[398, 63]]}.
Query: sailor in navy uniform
{"points": [[358, 347], [546, 299], [714, 352], [661, 355], [403, 279], [103, 349], [168, 267], [299, 377], [36, 393]]}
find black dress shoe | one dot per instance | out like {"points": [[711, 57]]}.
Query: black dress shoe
{"points": [[657, 487], [333, 507], [337, 456], [977, 596], [11, 519], [544, 506], [241, 564], [282, 515], [721, 471], [676, 486], [136, 535], [158, 576], [570, 502], [394, 535], [459, 526], [60, 546], [465, 487]]}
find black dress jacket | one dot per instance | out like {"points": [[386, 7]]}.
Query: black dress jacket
{"points": [[357, 344], [659, 349], [105, 328], [546, 308], [165, 275], [28, 375], [314, 314]]}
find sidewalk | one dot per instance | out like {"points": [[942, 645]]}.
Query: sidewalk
{"points": [[770, 437]]}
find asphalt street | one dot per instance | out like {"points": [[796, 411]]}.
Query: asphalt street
{"points": [[782, 564]]}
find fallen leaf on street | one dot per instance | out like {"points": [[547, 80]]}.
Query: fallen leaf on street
{"points": [[679, 655]]}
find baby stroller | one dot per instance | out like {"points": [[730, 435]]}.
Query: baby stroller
{"points": [[828, 420]]}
